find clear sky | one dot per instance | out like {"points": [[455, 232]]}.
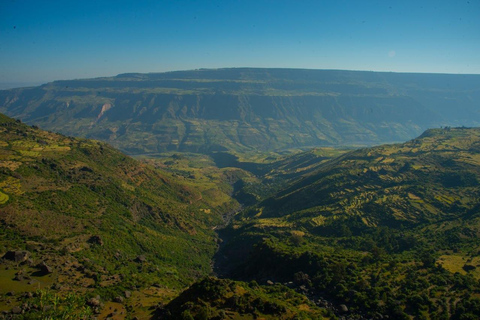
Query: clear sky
{"points": [[42, 40]]}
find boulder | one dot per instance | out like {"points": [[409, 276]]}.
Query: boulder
{"points": [[140, 258], [343, 308], [16, 256], [19, 277], [94, 302], [29, 262], [44, 268]]}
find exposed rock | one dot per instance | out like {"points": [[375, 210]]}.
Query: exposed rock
{"points": [[19, 277], [303, 289], [128, 294], [29, 262], [16, 256], [140, 258], [343, 308], [44, 268], [118, 299], [93, 302], [270, 282]]}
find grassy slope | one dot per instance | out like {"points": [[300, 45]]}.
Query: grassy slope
{"points": [[419, 181], [390, 230], [214, 298], [56, 192]]}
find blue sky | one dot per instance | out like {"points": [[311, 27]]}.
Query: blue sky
{"points": [[41, 41]]}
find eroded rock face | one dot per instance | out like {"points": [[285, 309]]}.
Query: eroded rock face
{"points": [[17, 255], [264, 109], [44, 268]]}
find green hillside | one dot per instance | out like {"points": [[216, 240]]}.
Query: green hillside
{"points": [[384, 232], [390, 230], [214, 298], [428, 179], [247, 109], [103, 223]]}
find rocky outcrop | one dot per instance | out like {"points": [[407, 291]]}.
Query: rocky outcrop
{"points": [[17, 255], [44, 268]]}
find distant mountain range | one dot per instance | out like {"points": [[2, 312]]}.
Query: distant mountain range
{"points": [[244, 109]]}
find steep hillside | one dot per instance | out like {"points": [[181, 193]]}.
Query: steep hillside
{"points": [[248, 109], [80, 219], [214, 298], [390, 230], [432, 178]]}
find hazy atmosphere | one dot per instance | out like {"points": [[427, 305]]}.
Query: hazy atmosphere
{"points": [[41, 41]]}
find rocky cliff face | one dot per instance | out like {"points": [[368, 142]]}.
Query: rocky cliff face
{"points": [[242, 109]]}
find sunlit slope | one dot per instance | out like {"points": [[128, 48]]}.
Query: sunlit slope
{"points": [[387, 231], [226, 299], [428, 179], [248, 109], [101, 220]]}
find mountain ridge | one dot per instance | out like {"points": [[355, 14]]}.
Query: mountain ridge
{"points": [[244, 109]]}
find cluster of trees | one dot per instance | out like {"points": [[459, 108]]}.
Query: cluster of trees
{"points": [[383, 272]]}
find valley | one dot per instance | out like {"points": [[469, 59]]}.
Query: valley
{"points": [[241, 194]]}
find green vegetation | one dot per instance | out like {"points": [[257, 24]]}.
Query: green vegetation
{"points": [[243, 109], [390, 230], [3, 198], [385, 231], [213, 298], [45, 304], [102, 221]]}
